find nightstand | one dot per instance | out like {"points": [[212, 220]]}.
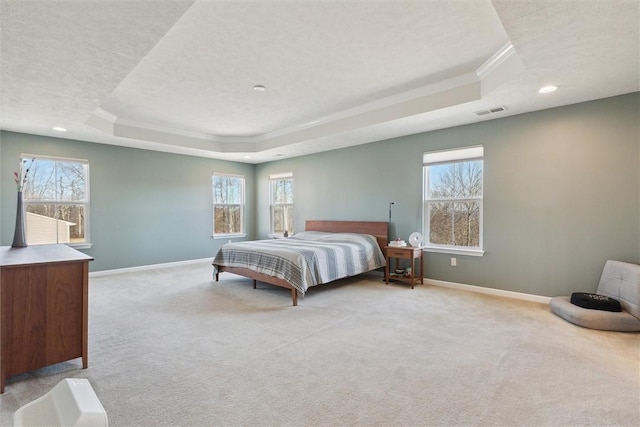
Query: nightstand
{"points": [[404, 252]]}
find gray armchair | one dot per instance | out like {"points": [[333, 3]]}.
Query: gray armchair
{"points": [[620, 281]]}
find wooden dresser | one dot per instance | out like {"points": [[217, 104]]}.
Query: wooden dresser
{"points": [[44, 303]]}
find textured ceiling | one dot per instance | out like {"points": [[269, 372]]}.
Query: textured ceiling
{"points": [[178, 76]]}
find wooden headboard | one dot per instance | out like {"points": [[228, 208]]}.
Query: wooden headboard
{"points": [[378, 229]]}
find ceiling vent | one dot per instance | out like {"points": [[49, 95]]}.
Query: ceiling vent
{"points": [[490, 111]]}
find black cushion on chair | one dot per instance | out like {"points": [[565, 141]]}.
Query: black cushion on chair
{"points": [[595, 301]]}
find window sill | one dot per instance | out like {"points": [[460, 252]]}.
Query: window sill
{"points": [[83, 245], [228, 236], [80, 245], [454, 251], [276, 236]]}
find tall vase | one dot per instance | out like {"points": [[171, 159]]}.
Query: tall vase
{"points": [[19, 237]]}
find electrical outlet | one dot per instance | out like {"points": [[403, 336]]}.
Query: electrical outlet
{"points": [[454, 262]]}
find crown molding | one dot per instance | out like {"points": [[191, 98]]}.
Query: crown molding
{"points": [[502, 55], [379, 104], [451, 91], [459, 89]]}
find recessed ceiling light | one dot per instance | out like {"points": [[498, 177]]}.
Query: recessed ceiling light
{"points": [[259, 88], [247, 157], [59, 129], [548, 89]]}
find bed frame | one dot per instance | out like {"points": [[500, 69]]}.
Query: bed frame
{"points": [[380, 230]]}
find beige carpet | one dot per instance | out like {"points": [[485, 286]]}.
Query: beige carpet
{"points": [[172, 347]]}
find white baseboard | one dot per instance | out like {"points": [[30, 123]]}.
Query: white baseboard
{"points": [[441, 283], [148, 267], [490, 291]]}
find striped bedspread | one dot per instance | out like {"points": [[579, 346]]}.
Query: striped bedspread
{"points": [[306, 259]]}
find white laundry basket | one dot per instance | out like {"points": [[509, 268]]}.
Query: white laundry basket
{"points": [[72, 402]]}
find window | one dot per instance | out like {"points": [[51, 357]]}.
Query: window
{"points": [[228, 205], [453, 200], [56, 198], [281, 190]]}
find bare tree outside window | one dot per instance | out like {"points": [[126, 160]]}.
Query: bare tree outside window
{"points": [[228, 200], [454, 203], [282, 205], [57, 201]]}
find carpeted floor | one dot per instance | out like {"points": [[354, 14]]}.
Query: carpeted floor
{"points": [[172, 347]]}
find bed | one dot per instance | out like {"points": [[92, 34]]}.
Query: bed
{"points": [[324, 252]]}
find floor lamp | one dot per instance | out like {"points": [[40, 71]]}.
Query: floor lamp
{"points": [[390, 204]]}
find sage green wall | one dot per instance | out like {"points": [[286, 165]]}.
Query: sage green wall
{"points": [[562, 193], [1, 192], [147, 207]]}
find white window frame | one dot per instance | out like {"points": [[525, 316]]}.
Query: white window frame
{"points": [[457, 155], [86, 204], [241, 233], [272, 204]]}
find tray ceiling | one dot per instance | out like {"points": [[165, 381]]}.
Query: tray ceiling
{"points": [[179, 76]]}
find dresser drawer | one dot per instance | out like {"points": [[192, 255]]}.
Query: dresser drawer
{"points": [[400, 253]]}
